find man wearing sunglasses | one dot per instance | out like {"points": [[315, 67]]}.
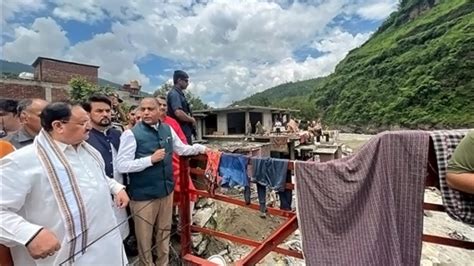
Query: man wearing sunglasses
{"points": [[178, 106]]}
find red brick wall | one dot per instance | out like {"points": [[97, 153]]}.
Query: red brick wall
{"points": [[62, 72], [22, 89], [59, 94]]}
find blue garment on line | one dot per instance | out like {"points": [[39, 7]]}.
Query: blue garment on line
{"points": [[233, 170], [270, 172]]}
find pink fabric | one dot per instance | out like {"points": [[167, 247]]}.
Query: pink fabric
{"points": [[366, 209]]}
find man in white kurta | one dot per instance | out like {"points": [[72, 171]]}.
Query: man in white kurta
{"points": [[28, 206]]}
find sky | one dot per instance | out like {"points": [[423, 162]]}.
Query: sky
{"points": [[231, 49]]}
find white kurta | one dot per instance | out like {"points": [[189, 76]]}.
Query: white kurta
{"points": [[120, 214], [27, 203]]}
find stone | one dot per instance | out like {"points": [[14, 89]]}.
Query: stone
{"points": [[202, 247], [202, 216], [196, 239]]}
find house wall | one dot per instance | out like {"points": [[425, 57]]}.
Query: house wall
{"points": [[62, 72], [23, 89], [267, 120], [222, 123]]}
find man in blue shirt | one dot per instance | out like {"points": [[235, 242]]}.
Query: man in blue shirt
{"points": [[178, 106]]}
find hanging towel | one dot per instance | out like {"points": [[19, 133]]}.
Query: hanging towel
{"points": [[279, 143], [459, 205], [366, 209], [233, 170], [270, 172]]}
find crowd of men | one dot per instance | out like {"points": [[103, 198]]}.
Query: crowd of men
{"points": [[73, 177], [70, 180]]}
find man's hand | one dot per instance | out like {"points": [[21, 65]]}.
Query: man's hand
{"points": [[193, 120], [43, 245], [158, 155], [122, 199]]}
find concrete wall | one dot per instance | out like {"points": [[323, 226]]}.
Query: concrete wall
{"points": [[222, 123], [267, 120]]}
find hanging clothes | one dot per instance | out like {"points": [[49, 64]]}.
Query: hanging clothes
{"points": [[366, 209], [233, 170], [270, 172], [279, 143], [212, 168], [273, 173], [459, 205]]}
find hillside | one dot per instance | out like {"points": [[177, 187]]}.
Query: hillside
{"points": [[292, 95], [416, 71], [12, 69]]}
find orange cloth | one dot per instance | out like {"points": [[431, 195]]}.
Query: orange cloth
{"points": [[212, 168], [5, 257], [177, 190]]}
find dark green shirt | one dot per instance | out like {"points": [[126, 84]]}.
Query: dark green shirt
{"points": [[462, 160]]}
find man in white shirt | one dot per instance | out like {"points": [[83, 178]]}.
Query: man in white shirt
{"points": [[145, 153], [55, 204]]}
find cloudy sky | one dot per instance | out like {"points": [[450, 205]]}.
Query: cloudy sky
{"points": [[230, 48]]}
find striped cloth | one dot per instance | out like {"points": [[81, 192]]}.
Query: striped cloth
{"points": [[459, 205], [366, 209]]}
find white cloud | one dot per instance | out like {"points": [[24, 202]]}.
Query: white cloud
{"points": [[219, 83], [15, 9], [84, 10], [377, 10], [340, 42], [44, 38], [231, 49], [114, 56]]}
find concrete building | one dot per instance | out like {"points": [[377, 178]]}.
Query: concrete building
{"points": [[233, 120]]}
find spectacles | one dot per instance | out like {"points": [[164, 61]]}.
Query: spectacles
{"points": [[185, 80]]}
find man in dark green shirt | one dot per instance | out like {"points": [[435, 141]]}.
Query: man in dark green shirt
{"points": [[460, 174]]}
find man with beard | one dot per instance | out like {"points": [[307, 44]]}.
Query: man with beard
{"points": [[55, 204], [107, 141], [29, 111]]}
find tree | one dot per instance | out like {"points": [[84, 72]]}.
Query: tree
{"points": [[195, 102], [81, 89]]}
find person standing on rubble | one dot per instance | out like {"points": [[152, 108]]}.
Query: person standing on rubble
{"points": [[146, 155], [178, 106]]}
